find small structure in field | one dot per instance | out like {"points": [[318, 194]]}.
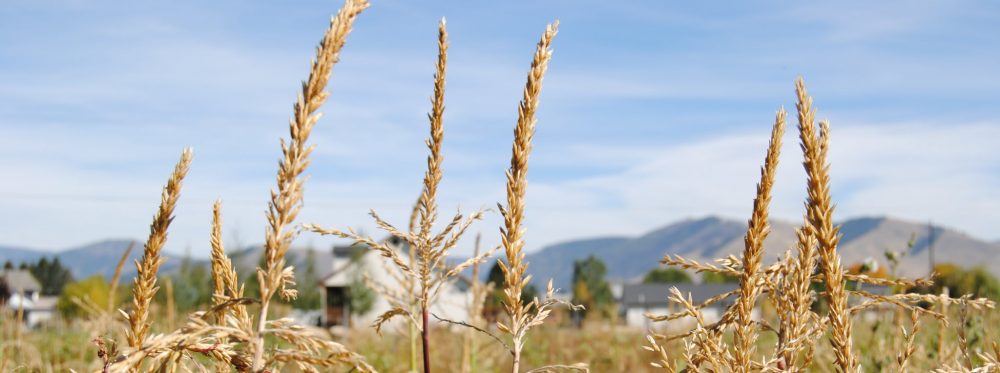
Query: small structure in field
{"points": [[638, 299], [21, 292], [358, 267]]}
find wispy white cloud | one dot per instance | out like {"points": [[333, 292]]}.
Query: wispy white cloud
{"points": [[919, 171], [650, 113]]}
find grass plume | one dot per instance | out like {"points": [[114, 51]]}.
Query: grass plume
{"points": [[428, 249], [286, 200], [787, 284], [757, 231], [522, 316], [235, 340], [147, 268], [819, 213]]}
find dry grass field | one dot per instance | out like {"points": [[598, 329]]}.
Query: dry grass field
{"points": [[245, 331]]}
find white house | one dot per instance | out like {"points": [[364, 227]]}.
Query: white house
{"points": [[351, 263], [21, 292]]}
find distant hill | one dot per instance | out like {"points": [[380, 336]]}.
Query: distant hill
{"points": [[16, 255], [101, 258], [709, 238], [84, 261], [627, 258], [246, 260]]}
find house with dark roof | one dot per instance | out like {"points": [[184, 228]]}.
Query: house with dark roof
{"points": [[21, 292], [639, 299], [19, 281]]}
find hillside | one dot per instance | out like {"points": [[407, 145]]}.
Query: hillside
{"points": [[709, 238], [627, 258], [84, 261]]}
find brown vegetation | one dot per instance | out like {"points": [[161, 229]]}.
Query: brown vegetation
{"points": [[237, 332]]}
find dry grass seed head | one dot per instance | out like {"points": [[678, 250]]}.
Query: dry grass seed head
{"points": [[148, 267], [820, 216], [512, 234], [757, 231], [112, 292]]}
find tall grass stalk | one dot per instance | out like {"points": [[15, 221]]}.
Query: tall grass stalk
{"points": [[819, 213], [274, 277], [757, 231], [521, 315], [144, 287], [788, 285], [426, 269]]}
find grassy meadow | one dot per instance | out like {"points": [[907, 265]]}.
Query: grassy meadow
{"points": [[604, 346]]}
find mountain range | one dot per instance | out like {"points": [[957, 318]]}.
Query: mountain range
{"points": [[100, 258], [627, 258], [709, 238]]}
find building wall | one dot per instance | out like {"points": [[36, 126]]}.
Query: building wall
{"points": [[35, 317], [635, 317], [451, 302]]}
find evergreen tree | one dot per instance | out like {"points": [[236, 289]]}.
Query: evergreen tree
{"points": [[4, 291], [309, 294], [667, 275], [590, 289], [494, 302], [192, 285], [718, 278], [51, 275], [361, 297]]}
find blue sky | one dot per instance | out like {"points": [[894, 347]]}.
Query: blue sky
{"points": [[651, 112]]}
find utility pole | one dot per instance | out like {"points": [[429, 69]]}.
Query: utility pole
{"points": [[930, 246]]}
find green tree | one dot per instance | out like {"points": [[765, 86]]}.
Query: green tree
{"points": [[309, 295], [4, 291], [50, 274], [976, 281], [192, 286], [249, 275], [361, 297], [93, 291], [8, 265], [718, 278], [590, 289], [667, 275], [494, 302]]}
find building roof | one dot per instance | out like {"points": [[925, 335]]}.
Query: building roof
{"points": [[657, 295], [875, 289], [357, 250], [349, 251], [651, 295], [20, 280], [45, 303]]}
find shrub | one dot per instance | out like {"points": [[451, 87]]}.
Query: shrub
{"points": [[92, 291]]}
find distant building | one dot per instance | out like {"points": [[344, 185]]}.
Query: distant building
{"points": [[19, 282], [21, 292], [638, 299], [352, 262]]}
